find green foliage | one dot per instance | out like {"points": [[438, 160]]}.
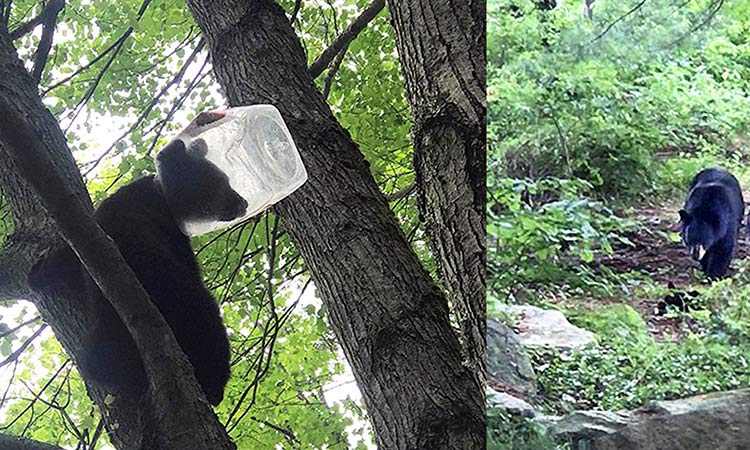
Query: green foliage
{"points": [[724, 311], [676, 173], [627, 367], [6, 219], [507, 432], [567, 101], [545, 231], [624, 109]]}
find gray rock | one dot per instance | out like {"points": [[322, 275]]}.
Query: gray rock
{"points": [[508, 366], [513, 405], [589, 425], [718, 421], [547, 328]]}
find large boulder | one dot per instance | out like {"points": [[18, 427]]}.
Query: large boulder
{"points": [[718, 421], [548, 328], [508, 368], [510, 403]]}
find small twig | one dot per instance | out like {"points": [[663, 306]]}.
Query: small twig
{"points": [[237, 267], [16, 328], [10, 383], [83, 68], [563, 142], [403, 193], [271, 240], [115, 46], [266, 349], [176, 105], [97, 434], [13, 356], [61, 409], [297, 7], [38, 398], [286, 432], [712, 9], [345, 38], [9, 424], [619, 19]]}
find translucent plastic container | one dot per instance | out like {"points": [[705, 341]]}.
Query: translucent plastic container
{"points": [[252, 145]]}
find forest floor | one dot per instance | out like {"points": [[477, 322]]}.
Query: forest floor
{"points": [[664, 261]]}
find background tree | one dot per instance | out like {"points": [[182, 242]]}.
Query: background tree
{"points": [[442, 47], [385, 309]]}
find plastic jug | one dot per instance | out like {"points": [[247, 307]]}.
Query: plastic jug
{"points": [[253, 147]]}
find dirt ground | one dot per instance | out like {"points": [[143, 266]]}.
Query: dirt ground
{"points": [[664, 261]]}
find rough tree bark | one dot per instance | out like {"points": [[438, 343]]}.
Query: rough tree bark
{"points": [[33, 153], [442, 52], [389, 316], [16, 443]]}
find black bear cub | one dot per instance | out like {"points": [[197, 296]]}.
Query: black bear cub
{"points": [[144, 218], [711, 219]]}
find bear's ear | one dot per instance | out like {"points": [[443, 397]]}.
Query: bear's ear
{"points": [[198, 147], [175, 150], [684, 217]]}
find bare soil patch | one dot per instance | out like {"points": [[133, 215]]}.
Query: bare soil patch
{"points": [[664, 261]]}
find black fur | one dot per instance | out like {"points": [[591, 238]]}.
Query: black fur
{"points": [[682, 301], [195, 188], [711, 219], [145, 223]]}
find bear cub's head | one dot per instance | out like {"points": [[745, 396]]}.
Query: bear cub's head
{"points": [[195, 188]]}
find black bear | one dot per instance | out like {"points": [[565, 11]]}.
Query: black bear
{"points": [[711, 219], [145, 218], [682, 301]]}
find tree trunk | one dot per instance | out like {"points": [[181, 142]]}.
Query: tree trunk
{"points": [[442, 52], [389, 316], [8, 442]]}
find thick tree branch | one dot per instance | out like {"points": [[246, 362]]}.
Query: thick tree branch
{"points": [[49, 20], [345, 38], [331, 74], [441, 48], [8, 442]]}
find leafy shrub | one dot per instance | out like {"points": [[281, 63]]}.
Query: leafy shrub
{"points": [[542, 231], [628, 367], [565, 102], [507, 432]]}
